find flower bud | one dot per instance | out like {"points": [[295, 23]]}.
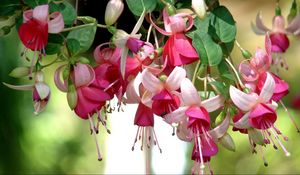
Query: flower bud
{"points": [[246, 54], [199, 7], [20, 72], [256, 136], [113, 11], [227, 142], [72, 97], [83, 60]]}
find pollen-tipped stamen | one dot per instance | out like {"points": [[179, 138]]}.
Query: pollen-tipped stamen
{"points": [[290, 116], [92, 126], [280, 143], [100, 119], [136, 138], [156, 140], [202, 166]]}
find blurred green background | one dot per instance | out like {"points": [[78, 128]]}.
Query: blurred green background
{"points": [[57, 141]]}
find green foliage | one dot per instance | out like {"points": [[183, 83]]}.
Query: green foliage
{"points": [[8, 7], [34, 3], [137, 6], [73, 46]]}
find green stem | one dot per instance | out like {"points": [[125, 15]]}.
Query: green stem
{"points": [[83, 26], [235, 72], [195, 72]]}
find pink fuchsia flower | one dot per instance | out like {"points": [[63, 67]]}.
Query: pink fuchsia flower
{"points": [[195, 114], [144, 117], [40, 92], [178, 48], [278, 33], [37, 23], [163, 91]]}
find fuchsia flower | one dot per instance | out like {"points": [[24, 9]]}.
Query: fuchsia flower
{"points": [[144, 117], [40, 92], [278, 34], [178, 48], [195, 116], [163, 91], [37, 23], [254, 72]]}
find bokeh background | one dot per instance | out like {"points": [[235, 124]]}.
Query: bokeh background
{"points": [[57, 141]]}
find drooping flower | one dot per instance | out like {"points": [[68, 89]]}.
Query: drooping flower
{"points": [[164, 91], [259, 110], [196, 113], [178, 48], [144, 117], [40, 92], [37, 23]]}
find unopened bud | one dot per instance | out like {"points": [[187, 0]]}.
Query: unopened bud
{"points": [[246, 54], [163, 78], [113, 11], [256, 136], [72, 97], [20, 72], [227, 142], [199, 7]]}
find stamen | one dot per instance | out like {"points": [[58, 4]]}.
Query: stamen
{"points": [[95, 137], [173, 133], [142, 138], [100, 119], [148, 137], [290, 116], [263, 156], [280, 143], [135, 139], [202, 166], [156, 140]]}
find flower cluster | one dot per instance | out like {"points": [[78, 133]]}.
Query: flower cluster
{"points": [[169, 72]]}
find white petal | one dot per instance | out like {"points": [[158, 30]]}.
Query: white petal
{"points": [[43, 90], [189, 93], [242, 100], [147, 98], [175, 78], [268, 88], [213, 103], [259, 23], [123, 61], [41, 13], [243, 122], [132, 93], [150, 82], [221, 129], [176, 116], [139, 23]]}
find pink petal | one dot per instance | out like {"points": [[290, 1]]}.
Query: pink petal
{"points": [[150, 82], [261, 61], [268, 89], [144, 116], [247, 71], [243, 123], [189, 93], [132, 91], [280, 42], [259, 23], [184, 46], [63, 86], [198, 118], [268, 46], [262, 117], [160, 30], [83, 75], [147, 98], [175, 78], [213, 103], [41, 13], [27, 15], [176, 116], [20, 87], [166, 19], [294, 26], [221, 129], [56, 23], [177, 24], [242, 100], [183, 132]]}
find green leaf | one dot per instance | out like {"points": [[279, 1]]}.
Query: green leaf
{"points": [[55, 38], [224, 24], [73, 46], [221, 88], [85, 36], [68, 12], [34, 3], [8, 7], [137, 6], [209, 52], [203, 24], [52, 48]]}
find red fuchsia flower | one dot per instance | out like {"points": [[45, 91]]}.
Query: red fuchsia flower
{"points": [[40, 92], [278, 33], [195, 115], [259, 110], [178, 48], [254, 72], [144, 117], [37, 23], [163, 91]]}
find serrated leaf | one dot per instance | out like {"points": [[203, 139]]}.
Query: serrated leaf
{"points": [[68, 12], [137, 6], [34, 3], [85, 36], [209, 52], [73, 46], [224, 24]]}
